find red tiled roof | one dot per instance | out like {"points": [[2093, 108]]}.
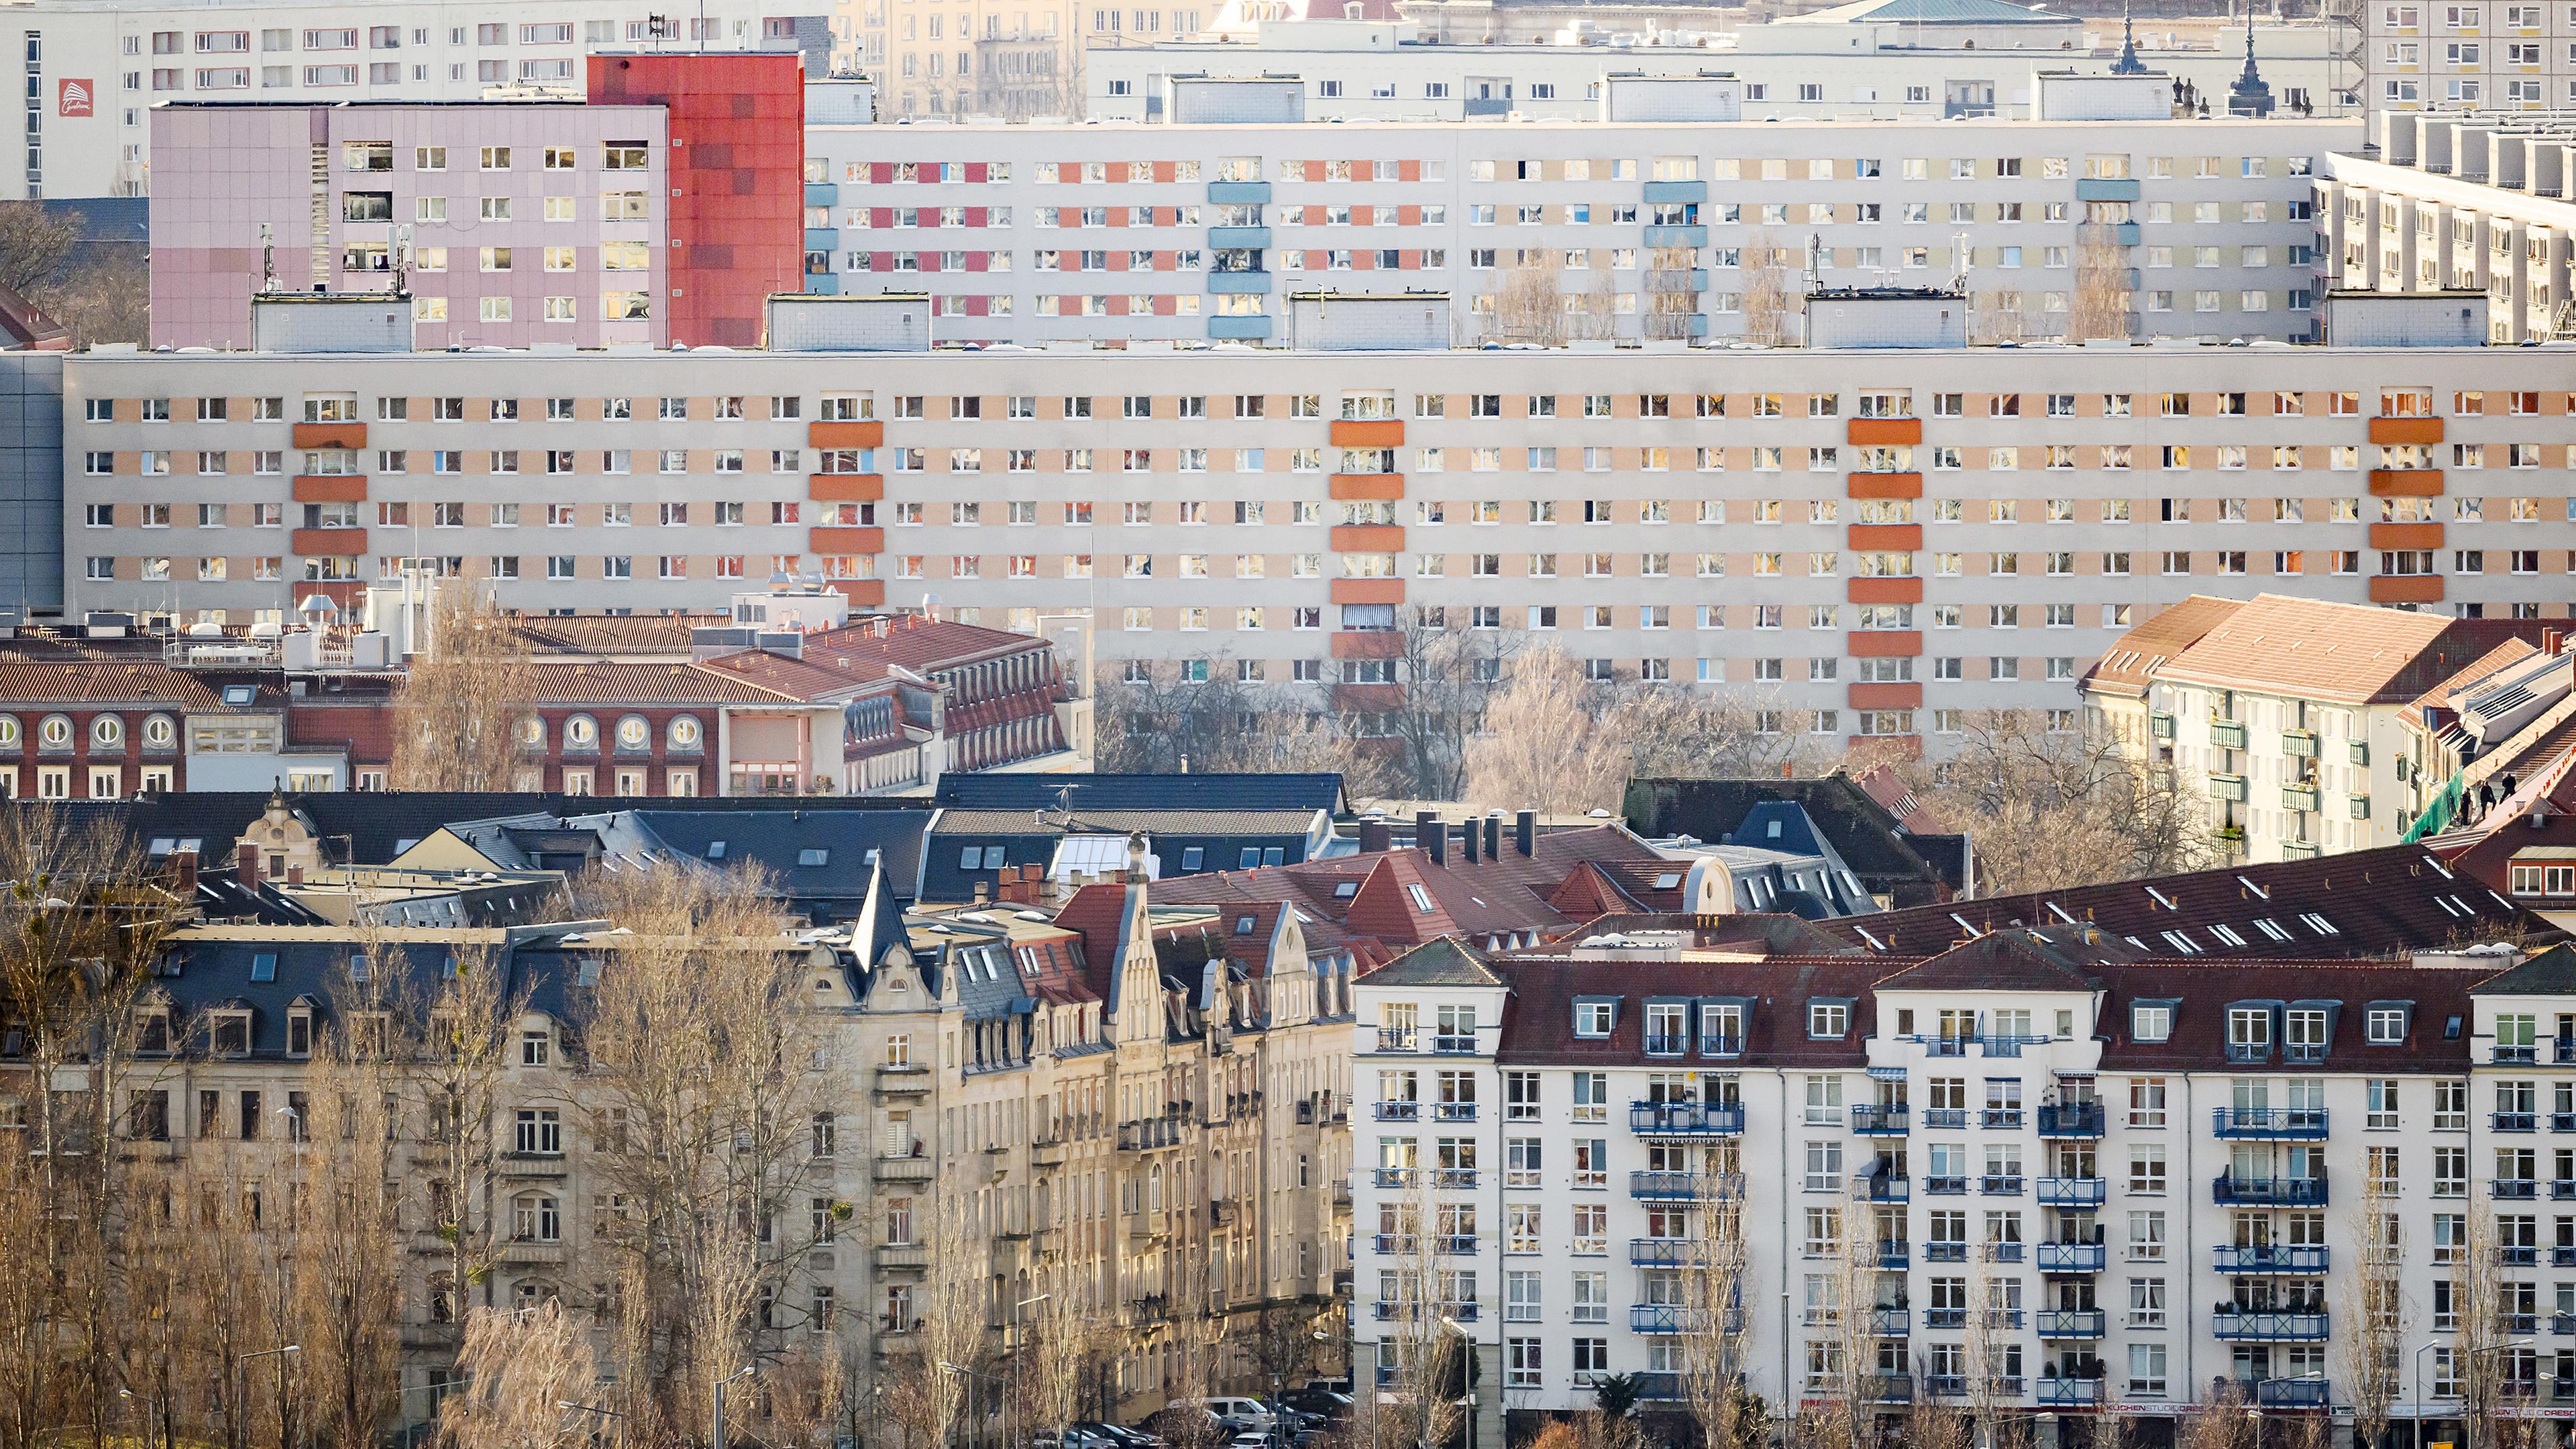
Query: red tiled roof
{"points": [[798, 679], [2133, 658], [1538, 1015], [917, 643], [99, 681], [635, 683], [2346, 653]]}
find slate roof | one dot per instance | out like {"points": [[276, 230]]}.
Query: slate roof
{"points": [[2436, 993], [1218, 836], [374, 826], [1911, 870], [776, 839], [1443, 962], [2379, 902], [1538, 1015], [2551, 973], [1928, 12], [214, 970], [1089, 793], [2001, 961]]}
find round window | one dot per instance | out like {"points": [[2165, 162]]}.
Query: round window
{"points": [[532, 731], [159, 732], [9, 731], [56, 731], [107, 731], [581, 729], [633, 733], [685, 732]]}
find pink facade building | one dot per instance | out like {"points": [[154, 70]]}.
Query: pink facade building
{"points": [[510, 223]]}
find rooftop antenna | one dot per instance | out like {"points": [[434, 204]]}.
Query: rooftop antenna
{"points": [[267, 257], [1959, 262]]}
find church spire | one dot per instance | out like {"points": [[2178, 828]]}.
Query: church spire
{"points": [[2128, 63], [2249, 96]]}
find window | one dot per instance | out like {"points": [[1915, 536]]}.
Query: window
{"points": [[1594, 1018], [1828, 1020]]}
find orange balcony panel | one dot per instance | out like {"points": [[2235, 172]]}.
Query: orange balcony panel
{"points": [[1368, 537], [1354, 486], [847, 487], [330, 435], [2406, 430], [845, 435], [1367, 698], [2406, 589], [1368, 644], [1358, 434], [1885, 643], [1899, 537], [2405, 482], [329, 542], [1368, 591], [848, 540], [1887, 591], [868, 593], [316, 488], [1887, 696], [344, 592], [2406, 535], [1886, 485], [1866, 432]]}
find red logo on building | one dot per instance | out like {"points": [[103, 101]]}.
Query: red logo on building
{"points": [[75, 99]]}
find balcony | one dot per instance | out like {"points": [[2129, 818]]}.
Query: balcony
{"points": [[2010, 1318], [2003, 1252], [1713, 1045], [2069, 1393], [1684, 1186], [1395, 1242], [2227, 788], [2514, 1121], [905, 1257], [2563, 1324], [2003, 1119], [2307, 1393], [1945, 1252], [1653, 1387], [2073, 1192], [2562, 1121], [1151, 1134], [1453, 1178], [2562, 1050], [2073, 1323], [1663, 1252], [915, 1168], [2515, 1054], [1397, 1039], [1881, 1187], [1676, 1318], [1458, 1245], [1891, 1322], [1238, 283], [2276, 1124], [1453, 1111], [1398, 1177], [1945, 1318], [2515, 1189], [903, 1081], [1893, 1257], [1945, 1119], [2000, 1184], [1945, 1386], [2071, 1119], [1667, 1044], [1875, 1120], [2299, 744], [2271, 1191], [1399, 1111], [1891, 1388], [2267, 1258], [2072, 1257], [2227, 734], [2518, 1255], [1686, 1119], [1945, 1186], [2299, 797], [2562, 1257], [2254, 1325], [1462, 1045]]}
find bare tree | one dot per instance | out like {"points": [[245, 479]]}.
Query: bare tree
{"points": [[925, 1391], [2057, 807], [1985, 1351], [1847, 1412], [1169, 720], [349, 1247], [2217, 1422], [1936, 1423], [1712, 1302], [1420, 1351], [457, 1067], [522, 1367], [35, 243], [2100, 306], [457, 718], [1675, 733], [1770, 293], [1529, 306], [1067, 1341], [2378, 1321], [1541, 747], [1451, 672]]}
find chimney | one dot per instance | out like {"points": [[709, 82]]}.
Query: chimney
{"points": [[295, 875], [2553, 642], [983, 892], [1374, 837], [1467, 839], [246, 863], [186, 861], [1525, 832], [1432, 834], [1494, 836]]}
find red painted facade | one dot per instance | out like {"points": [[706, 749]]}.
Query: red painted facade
{"points": [[737, 169]]}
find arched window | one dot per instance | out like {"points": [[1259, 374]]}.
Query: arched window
{"points": [[536, 1217]]}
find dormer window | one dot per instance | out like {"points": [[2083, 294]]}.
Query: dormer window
{"points": [[229, 1033], [152, 1033], [299, 1032], [1595, 1018], [2386, 1025], [536, 1048], [2150, 1023], [1828, 1020]]}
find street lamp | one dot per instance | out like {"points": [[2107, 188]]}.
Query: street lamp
{"points": [[970, 1374], [2469, 1422], [2421, 1349], [715, 1439], [151, 1412], [241, 1389], [1466, 1373]]}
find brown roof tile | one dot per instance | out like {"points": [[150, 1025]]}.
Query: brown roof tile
{"points": [[2344, 653], [2133, 658]]}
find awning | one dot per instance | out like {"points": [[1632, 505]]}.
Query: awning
{"points": [[1887, 1074]]}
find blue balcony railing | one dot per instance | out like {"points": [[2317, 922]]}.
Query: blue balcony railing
{"points": [[1394, 1177], [1686, 1118], [1395, 1039], [2072, 1323], [1893, 1257], [1676, 1318], [2071, 1119], [2069, 1393], [1945, 1119], [2261, 1325], [1461, 1245], [2002, 1119], [1872, 1119], [1882, 1187], [1891, 1388], [1399, 1111], [2072, 1257], [1891, 1322], [2003, 1252], [1667, 1044], [1713, 1044], [2518, 1255], [2514, 1189], [1945, 1318], [2004, 1044], [1945, 1186], [2272, 1191], [1453, 1111], [1663, 1252], [2269, 1258], [2522, 1054], [2000, 1184], [2073, 1192], [1945, 1252], [2514, 1121], [2301, 1124], [1946, 1386], [2307, 1393], [1461, 1045], [1683, 1186]]}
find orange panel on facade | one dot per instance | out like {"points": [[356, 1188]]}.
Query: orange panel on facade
{"points": [[2406, 430], [849, 540], [2406, 589], [1865, 432], [867, 592], [845, 435], [1884, 643], [1354, 433], [315, 488], [2405, 482], [1876, 536], [2406, 535], [1368, 485], [1367, 698], [1368, 537], [847, 487], [1887, 591], [329, 542], [1368, 644], [1886, 485], [1368, 591], [330, 435], [1887, 696]]}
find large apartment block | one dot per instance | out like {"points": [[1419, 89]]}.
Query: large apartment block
{"points": [[2486, 55], [2452, 203], [94, 69], [1881, 538], [2034, 1172], [1040, 234]]}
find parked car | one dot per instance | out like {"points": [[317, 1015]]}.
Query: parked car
{"points": [[1320, 1403], [1119, 1436], [1237, 1412], [1185, 1423]]}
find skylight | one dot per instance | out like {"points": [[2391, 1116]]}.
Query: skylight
{"points": [[2318, 924], [1963, 924], [715, 850], [2260, 894], [2443, 870], [2271, 928], [1668, 880], [2227, 934], [813, 857], [2182, 943], [263, 967], [2162, 899], [1875, 944]]}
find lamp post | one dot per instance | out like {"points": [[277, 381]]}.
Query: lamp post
{"points": [[2469, 1421], [2421, 1349], [715, 1437], [241, 1390], [1467, 1373], [971, 1376], [151, 1414]]}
